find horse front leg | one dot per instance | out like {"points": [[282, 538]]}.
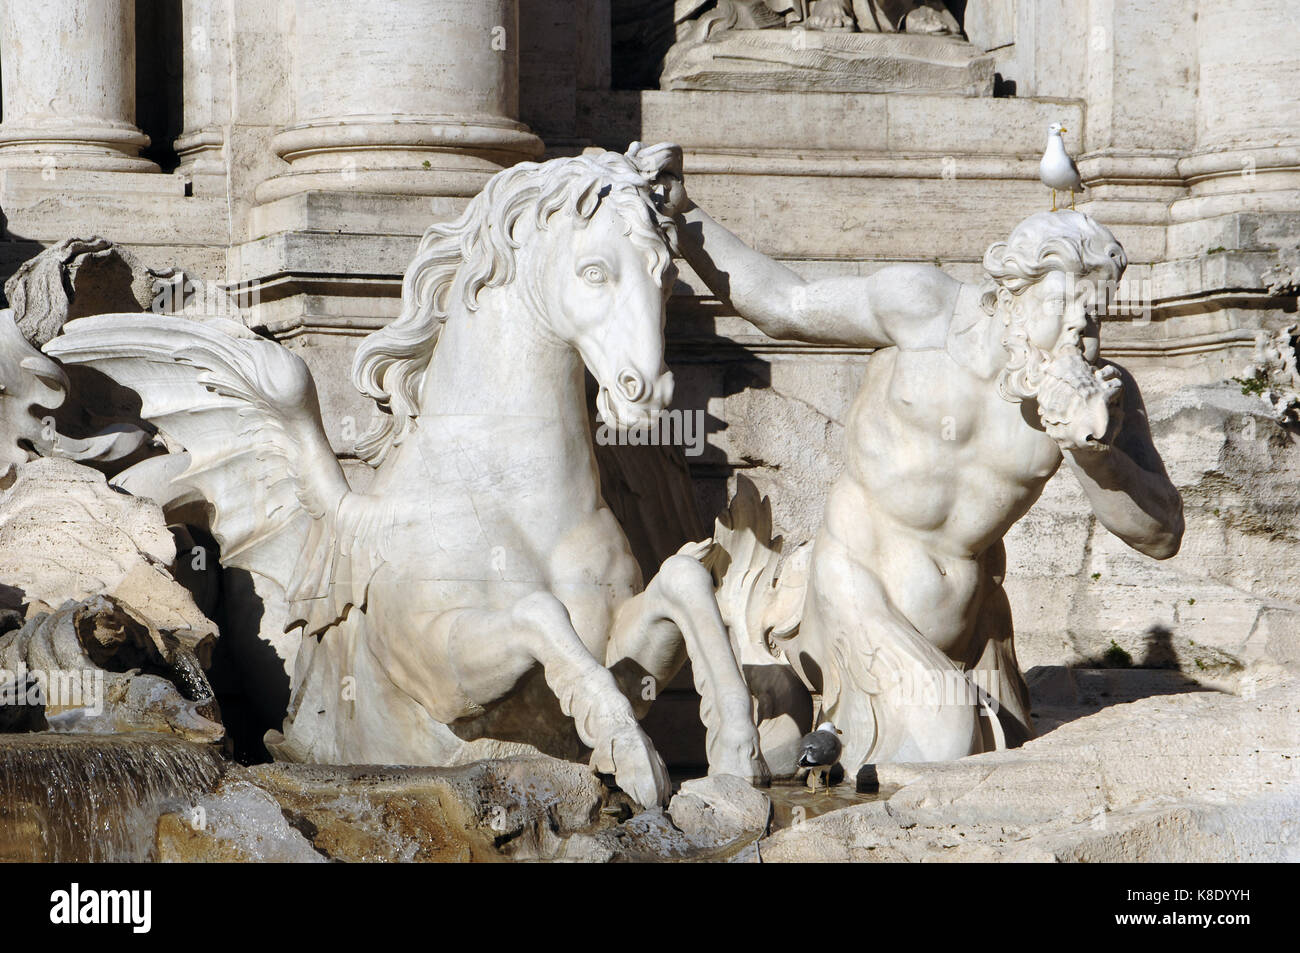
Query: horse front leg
{"points": [[677, 609], [487, 652]]}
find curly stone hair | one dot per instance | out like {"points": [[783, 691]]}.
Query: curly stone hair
{"points": [[1066, 241]]}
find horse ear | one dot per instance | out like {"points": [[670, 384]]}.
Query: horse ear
{"points": [[589, 199]]}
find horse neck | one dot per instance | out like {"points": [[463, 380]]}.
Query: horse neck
{"points": [[501, 361], [501, 382]]}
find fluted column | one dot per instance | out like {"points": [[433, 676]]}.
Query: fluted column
{"points": [[402, 98], [69, 86]]}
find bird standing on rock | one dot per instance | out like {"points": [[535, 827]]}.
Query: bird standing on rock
{"points": [[818, 752], [1057, 169]]}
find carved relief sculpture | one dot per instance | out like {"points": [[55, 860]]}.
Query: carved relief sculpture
{"points": [[837, 45]]}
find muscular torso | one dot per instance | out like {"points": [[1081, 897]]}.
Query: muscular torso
{"points": [[937, 467]]}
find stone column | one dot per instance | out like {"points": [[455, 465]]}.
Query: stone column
{"points": [[69, 86], [1247, 156], [402, 98], [206, 87], [1140, 56]]}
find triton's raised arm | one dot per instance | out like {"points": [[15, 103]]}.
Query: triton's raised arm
{"points": [[884, 309], [1126, 483], [878, 311]]}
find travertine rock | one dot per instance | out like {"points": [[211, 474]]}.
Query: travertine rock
{"points": [[98, 667], [1205, 776], [720, 810], [64, 534], [237, 823], [1227, 600], [517, 808], [75, 278], [520, 809], [1191, 775]]}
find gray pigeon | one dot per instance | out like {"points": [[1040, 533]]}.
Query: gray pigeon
{"points": [[818, 752]]}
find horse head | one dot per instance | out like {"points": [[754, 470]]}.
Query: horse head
{"points": [[582, 241]]}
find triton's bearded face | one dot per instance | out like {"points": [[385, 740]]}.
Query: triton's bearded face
{"points": [[1052, 320], [1052, 340], [1055, 310]]}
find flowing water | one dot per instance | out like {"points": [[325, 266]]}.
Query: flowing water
{"points": [[66, 797]]}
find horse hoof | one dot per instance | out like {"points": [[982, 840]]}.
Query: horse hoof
{"points": [[636, 766], [744, 761]]}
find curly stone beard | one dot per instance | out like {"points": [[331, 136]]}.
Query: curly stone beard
{"points": [[1028, 366]]}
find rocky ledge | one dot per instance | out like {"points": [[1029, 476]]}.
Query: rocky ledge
{"points": [[1132, 765]]}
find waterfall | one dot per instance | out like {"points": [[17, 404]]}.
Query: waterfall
{"points": [[87, 798]]}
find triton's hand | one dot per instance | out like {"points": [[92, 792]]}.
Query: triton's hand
{"points": [[663, 164], [1114, 387], [1074, 403]]}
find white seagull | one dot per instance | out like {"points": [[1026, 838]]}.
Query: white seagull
{"points": [[818, 752], [1057, 170]]}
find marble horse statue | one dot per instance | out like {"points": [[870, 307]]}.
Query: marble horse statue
{"points": [[480, 588]]}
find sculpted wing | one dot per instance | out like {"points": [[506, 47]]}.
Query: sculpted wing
{"points": [[246, 411]]}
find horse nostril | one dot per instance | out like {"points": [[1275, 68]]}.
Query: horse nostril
{"points": [[631, 384]]}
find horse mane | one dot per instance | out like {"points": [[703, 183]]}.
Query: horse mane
{"points": [[457, 260]]}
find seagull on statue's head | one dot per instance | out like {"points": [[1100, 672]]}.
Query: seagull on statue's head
{"points": [[1057, 170], [819, 751]]}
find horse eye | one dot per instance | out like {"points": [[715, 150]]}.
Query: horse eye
{"points": [[593, 274]]}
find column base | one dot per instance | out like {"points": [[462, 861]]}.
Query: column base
{"points": [[92, 145], [1244, 179], [1130, 192], [202, 152], [433, 155]]}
